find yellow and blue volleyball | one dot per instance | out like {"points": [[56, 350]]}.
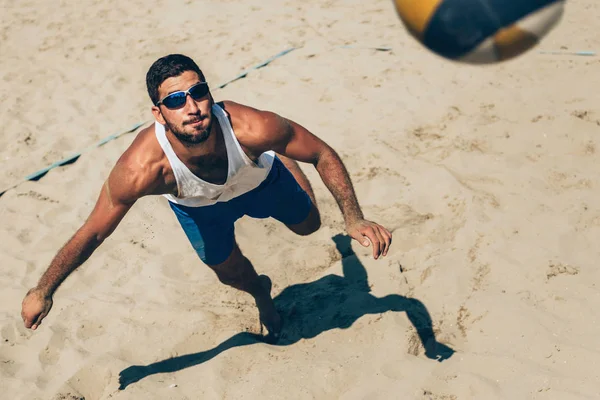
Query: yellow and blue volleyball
{"points": [[479, 31]]}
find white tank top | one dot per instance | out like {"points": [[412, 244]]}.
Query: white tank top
{"points": [[243, 174]]}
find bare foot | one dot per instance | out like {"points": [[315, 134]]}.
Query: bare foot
{"points": [[269, 317]]}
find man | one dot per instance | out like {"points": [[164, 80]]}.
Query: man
{"points": [[214, 162]]}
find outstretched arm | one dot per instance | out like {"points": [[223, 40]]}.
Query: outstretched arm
{"points": [[296, 142], [301, 145], [118, 194]]}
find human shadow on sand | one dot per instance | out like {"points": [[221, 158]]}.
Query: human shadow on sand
{"points": [[309, 309]]}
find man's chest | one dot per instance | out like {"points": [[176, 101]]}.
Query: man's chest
{"points": [[213, 169]]}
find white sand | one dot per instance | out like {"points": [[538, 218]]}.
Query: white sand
{"points": [[488, 177]]}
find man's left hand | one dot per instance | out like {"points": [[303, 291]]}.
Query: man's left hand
{"points": [[367, 232]]}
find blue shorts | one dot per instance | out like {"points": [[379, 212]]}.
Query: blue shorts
{"points": [[210, 228]]}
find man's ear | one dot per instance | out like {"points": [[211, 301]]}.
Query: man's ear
{"points": [[158, 115]]}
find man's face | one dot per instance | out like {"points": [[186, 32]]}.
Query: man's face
{"points": [[192, 122]]}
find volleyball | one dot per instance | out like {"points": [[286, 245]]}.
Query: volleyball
{"points": [[479, 31]]}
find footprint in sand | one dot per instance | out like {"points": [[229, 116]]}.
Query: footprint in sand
{"points": [[14, 333], [400, 215], [9, 355], [89, 329], [8, 366], [7, 335], [586, 115], [481, 269], [51, 353], [556, 269], [560, 181], [464, 320], [95, 380]]}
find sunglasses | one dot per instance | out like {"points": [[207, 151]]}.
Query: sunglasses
{"points": [[178, 99]]}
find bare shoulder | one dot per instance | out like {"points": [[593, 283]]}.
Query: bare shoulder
{"points": [[256, 129], [139, 171]]}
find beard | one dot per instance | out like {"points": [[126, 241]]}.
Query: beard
{"points": [[189, 139]]}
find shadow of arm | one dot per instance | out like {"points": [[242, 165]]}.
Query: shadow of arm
{"points": [[137, 372], [421, 320], [353, 270]]}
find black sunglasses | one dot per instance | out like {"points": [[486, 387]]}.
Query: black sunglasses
{"points": [[178, 99]]}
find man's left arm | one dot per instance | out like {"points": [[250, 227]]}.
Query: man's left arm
{"points": [[292, 140]]}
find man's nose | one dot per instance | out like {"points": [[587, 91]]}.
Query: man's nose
{"points": [[190, 104]]}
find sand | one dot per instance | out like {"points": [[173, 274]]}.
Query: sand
{"points": [[487, 176]]}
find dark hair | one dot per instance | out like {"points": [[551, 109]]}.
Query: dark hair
{"points": [[168, 67]]}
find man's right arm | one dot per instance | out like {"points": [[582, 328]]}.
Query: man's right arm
{"points": [[120, 191]]}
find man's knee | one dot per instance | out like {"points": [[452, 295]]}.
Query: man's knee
{"points": [[231, 271], [310, 225]]}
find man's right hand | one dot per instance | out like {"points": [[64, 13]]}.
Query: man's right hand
{"points": [[36, 305]]}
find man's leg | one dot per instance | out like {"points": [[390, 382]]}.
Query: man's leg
{"points": [[237, 271], [212, 234], [312, 222]]}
